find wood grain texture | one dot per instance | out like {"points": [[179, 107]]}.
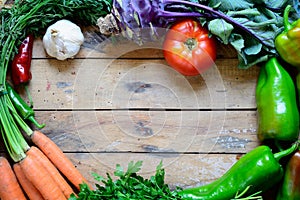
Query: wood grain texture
{"points": [[139, 83], [182, 170], [151, 131]]}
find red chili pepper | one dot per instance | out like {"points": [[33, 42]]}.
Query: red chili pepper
{"points": [[20, 69]]}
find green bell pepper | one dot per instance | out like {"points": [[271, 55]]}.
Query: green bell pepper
{"points": [[252, 169], [290, 187], [278, 116], [287, 43]]}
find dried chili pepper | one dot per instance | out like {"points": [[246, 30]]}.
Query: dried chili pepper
{"points": [[20, 69], [24, 110], [252, 169], [290, 187]]}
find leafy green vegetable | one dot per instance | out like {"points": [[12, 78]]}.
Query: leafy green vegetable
{"points": [[224, 32], [257, 24], [259, 19], [129, 185]]}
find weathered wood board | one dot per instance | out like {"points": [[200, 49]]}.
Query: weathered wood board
{"points": [[182, 170], [152, 131], [116, 103], [139, 83]]}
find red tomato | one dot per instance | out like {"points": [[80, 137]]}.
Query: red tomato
{"points": [[188, 48]]}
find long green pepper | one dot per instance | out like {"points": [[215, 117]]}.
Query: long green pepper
{"points": [[24, 110], [253, 169], [278, 116]]}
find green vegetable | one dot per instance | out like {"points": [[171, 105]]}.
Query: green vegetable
{"points": [[278, 116], [288, 42], [25, 111], [129, 185], [253, 169]]}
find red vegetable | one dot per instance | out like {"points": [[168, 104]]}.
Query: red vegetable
{"points": [[188, 48], [22, 61]]}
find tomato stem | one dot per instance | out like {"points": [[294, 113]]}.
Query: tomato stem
{"points": [[190, 43]]}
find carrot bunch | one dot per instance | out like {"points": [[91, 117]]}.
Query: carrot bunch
{"points": [[40, 171], [43, 172]]}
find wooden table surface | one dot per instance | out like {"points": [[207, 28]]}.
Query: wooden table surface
{"points": [[117, 102]]}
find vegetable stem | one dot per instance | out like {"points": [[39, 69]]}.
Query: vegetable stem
{"points": [[286, 152], [287, 24]]}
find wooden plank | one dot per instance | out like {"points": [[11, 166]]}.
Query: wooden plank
{"points": [[151, 131], [139, 83], [182, 170]]}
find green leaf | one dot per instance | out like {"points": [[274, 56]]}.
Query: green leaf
{"points": [[130, 186], [237, 41], [231, 4], [246, 62], [119, 171], [97, 177], [221, 29], [134, 167], [249, 12], [253, 47]]}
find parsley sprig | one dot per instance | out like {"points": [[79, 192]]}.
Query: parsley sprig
{"points": [[129, 185]]}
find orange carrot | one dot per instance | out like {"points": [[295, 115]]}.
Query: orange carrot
{"points": [[39, 177], [27, 186], [9, 186], [61, 182], [58, 158]]}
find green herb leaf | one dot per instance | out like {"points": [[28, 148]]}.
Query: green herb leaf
{"points": [[129, 185]]}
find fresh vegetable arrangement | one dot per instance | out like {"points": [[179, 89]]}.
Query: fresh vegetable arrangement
{"points": [[41, 162], [250, 27]]}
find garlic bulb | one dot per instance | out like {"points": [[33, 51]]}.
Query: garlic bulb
{"points": [[63, 39]]}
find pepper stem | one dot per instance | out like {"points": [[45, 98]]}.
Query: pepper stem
{"points": [[33, 120], [287, 24], [286, 152]]}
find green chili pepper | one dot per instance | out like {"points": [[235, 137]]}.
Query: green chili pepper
{"points": [[24, 110], [278, 116], [253, 169], [290, 188], [288, 42]]}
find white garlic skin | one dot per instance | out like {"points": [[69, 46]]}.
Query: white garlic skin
{"points": [[63, 39]]}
